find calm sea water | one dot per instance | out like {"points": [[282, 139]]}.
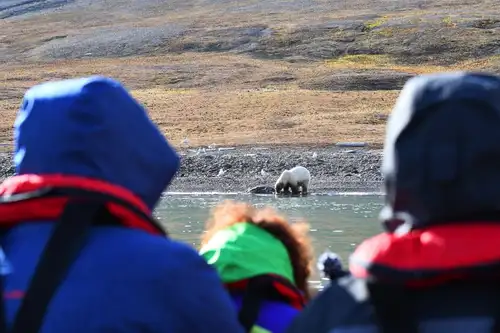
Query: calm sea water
{"points": [[338, 222]]}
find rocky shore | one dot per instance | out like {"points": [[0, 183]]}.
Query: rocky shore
{"points": [[6, 165], [333, 169]]}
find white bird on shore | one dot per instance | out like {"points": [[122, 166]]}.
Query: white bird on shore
{"points": [[264, 173], [315, 155], [221, 172]]}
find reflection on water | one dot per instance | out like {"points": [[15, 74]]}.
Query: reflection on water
{"points": [[337, 222]]}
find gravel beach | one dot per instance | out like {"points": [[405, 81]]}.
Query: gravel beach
{"points": [[332, 169], [6, 165]]}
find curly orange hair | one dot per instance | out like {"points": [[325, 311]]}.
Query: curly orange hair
{"points": [[294, 236]]}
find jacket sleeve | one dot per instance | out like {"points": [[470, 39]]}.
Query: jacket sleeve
{"points": [[203, 304], [328, 310]]}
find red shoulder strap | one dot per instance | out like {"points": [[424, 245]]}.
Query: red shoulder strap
{"points": [[286, 291]]}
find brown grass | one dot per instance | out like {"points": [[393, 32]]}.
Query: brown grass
{"points": [[233, 100], [249, 117]]}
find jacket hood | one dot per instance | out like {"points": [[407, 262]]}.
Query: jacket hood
{"points": [[442, 150], [92, 127], [245, 250]]}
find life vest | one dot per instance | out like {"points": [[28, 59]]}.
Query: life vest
{"points": [[43, 198], [397, 267], [75, 204], [430, 256], [260, 288]]}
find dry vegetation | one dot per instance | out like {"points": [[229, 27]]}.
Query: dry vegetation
{"points": [[251, 107], [283, 116], [215, 82]]}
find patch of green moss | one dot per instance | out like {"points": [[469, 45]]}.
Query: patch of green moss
{"points": [[370, 25]]}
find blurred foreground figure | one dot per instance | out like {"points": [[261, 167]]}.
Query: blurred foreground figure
{"points": [[264, 261], [329, 265], [436, 267], [82, 250]]}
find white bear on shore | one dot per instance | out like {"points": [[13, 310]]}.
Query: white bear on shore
{"points": [[293, 179]]}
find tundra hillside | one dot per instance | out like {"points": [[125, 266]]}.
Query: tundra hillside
{"points": [[248, 72]]}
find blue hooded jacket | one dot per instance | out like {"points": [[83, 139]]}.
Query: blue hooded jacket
{"points": [[124, 280]]}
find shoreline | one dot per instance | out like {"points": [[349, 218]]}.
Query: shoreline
{"points": [[333, 169]]}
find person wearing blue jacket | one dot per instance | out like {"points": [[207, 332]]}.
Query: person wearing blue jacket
{"points": [[435, 267], [81, 251]]}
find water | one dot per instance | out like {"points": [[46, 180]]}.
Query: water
{"points": [[338, 222]]}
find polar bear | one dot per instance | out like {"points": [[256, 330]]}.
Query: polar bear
{"points": [[293, 179]]}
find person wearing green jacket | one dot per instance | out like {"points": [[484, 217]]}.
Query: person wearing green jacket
{"points": [[264, 262]]}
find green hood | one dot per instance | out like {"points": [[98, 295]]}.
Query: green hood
{"points": [[244, 250]]}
